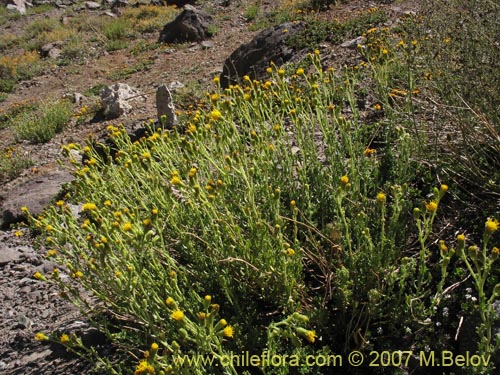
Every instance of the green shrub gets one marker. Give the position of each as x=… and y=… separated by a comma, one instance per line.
x=115, y=29
x=461, y=68
x=255, y=203
x=42, y=124
x=19, y=67
x=12, y=163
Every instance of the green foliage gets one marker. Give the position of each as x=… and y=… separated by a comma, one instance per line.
x=40, y=125
x=283, y=210
x=12, y=163
x=462, y=73
x=14, y=68
x=255, y=202
x=116, y=29
x=252, y=10
x=318, y=31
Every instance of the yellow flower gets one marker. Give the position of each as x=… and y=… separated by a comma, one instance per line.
x=215, y=115
x=299, y=71
x=177, y=315
x=223, y=322
x=290, y=252
x=201, y=315
x=310, y=336
x=144, y=368
x=154, y=211
x=491, y=226
x=89, y=207
x=49, y=228
x=431, y=206
x=175, y=181
x=146, y=155
x=228, y=331
x=461, y=237
x=154, y=346
x=443, y=188
x=377, y=107
x=442, y=246
x=60, y=203
x=344, y=179
x=38, y=275
x=41, y=337
x=192, y=172
x=169, y=301
x=269, y=70
x=18, y=233
x=216, y=80
x=381, y=198
x=127, y=226
x=281, y=72
x=208, y=298
x=64, y=338
x=369, y=151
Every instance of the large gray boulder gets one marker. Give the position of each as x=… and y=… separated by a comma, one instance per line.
x=254, y=58
x=35, y=194
x=191, y=25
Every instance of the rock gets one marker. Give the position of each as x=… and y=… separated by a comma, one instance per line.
x=51, y=50
x=119, y=4
x=191, y=25
x=77, y=98
x=111, y=14
x=180, y=3
x=175, y=85
x=35, y=194
x=165, y=106
x=207, y=44
x=92, y=5
x=17, y=5
x=353, y=43
x=8, y=255
x=254, y=58
x=115, y=99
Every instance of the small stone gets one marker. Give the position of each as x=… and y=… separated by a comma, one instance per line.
x=92, y=5
x=207, y=44
x=353, y=43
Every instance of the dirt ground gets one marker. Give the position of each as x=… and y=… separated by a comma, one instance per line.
x=28, y=305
